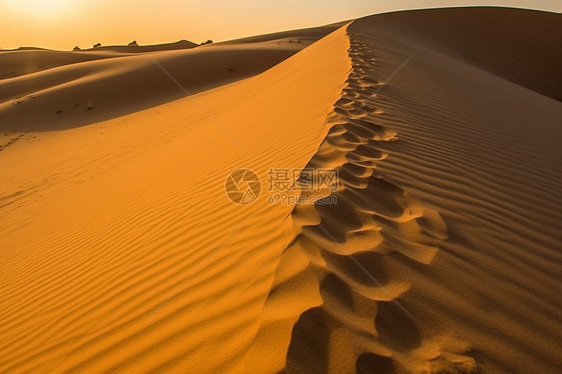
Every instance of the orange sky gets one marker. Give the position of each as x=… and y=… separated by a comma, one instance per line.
x=62, y=24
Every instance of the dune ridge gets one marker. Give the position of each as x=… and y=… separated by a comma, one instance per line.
x=379, y=277
x=352, y=319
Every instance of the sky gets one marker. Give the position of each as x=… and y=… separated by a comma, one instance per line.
x=62, y=24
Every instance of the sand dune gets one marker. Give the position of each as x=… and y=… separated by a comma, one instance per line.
x=181, y=44
x=436, y=200
x=31, y=60
x=122, y=253
x=515, y=44
x=174, y=219
x=72, y=94
x=306, y=36
x=16, y=63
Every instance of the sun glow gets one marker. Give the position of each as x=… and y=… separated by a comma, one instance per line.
x=42, y=8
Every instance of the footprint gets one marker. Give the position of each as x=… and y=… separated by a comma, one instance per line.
x=356, y=319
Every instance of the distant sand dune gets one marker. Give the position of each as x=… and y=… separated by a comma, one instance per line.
x=182, y=44
x=16, y=63
x=70, y=94
x=94, y=91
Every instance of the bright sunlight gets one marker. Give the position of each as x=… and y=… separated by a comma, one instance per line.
x=44, y=9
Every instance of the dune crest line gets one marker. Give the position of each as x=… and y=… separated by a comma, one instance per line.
x=352, y=319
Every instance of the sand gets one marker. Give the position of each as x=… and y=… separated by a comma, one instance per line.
x=121, y=251
x=74, y=89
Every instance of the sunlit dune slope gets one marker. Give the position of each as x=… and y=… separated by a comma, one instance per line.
x=439, y=251
x=118, y=245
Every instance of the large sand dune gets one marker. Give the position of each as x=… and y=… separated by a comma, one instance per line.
x=122, y=253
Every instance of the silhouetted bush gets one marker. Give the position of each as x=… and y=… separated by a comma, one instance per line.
x=76, y=48
x=134, y=42
x=207, y=42
x=97, y=45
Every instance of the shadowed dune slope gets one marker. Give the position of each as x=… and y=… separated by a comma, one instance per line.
x=523, y=46
x=14, y=63
x=21, y=62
